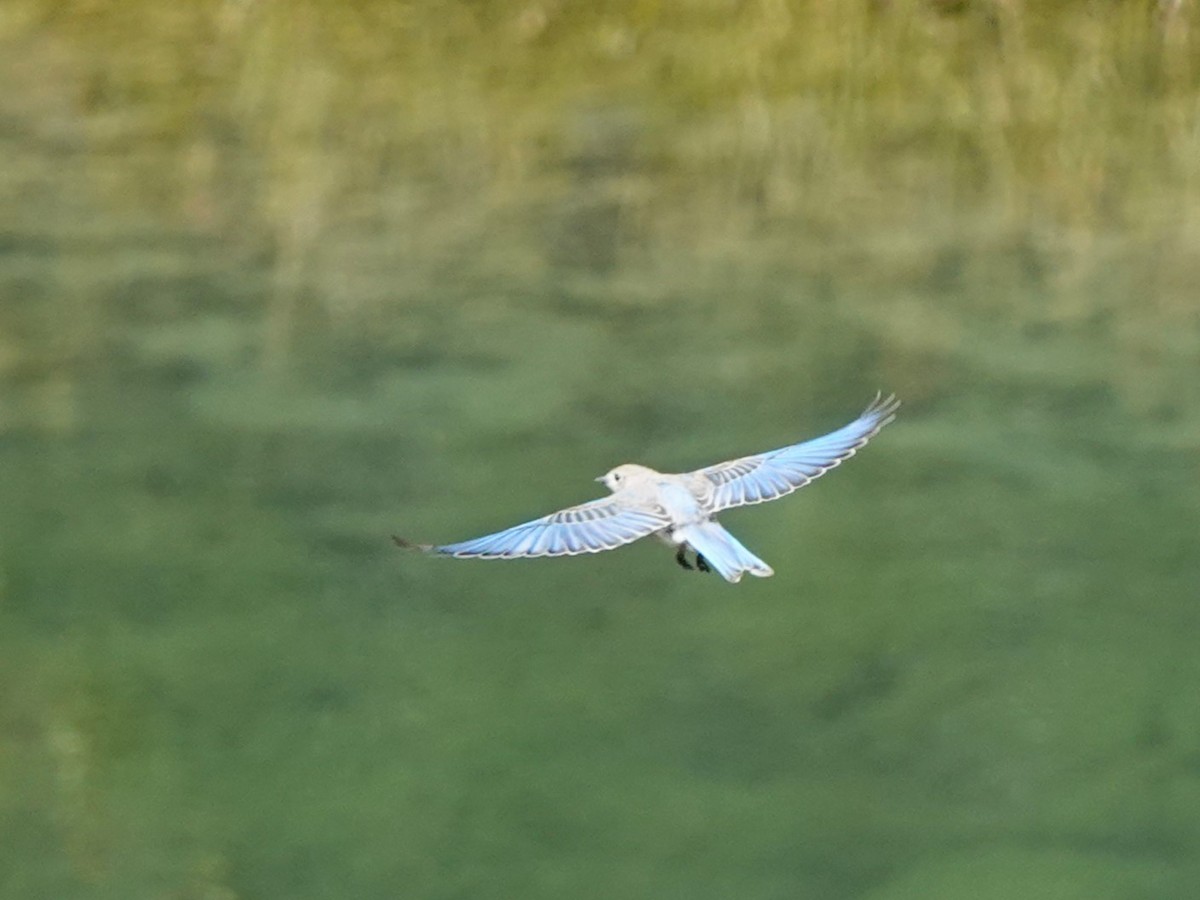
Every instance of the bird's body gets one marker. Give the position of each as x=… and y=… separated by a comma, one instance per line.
x=685, y=501
x=679, y=508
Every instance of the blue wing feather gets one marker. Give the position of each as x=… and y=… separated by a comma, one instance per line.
x=766, y=476
x=602, y=524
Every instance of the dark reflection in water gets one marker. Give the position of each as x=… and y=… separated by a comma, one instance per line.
x=275, y=284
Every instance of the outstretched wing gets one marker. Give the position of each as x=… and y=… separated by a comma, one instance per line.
x=602, y=524
x=766, y=476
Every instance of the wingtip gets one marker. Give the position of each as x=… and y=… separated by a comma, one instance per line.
x=884, y=407
x=404, y=544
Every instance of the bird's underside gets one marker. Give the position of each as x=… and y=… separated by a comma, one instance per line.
x=680, y=508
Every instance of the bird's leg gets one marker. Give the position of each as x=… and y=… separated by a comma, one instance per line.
x=702, y=564
x=681, y=557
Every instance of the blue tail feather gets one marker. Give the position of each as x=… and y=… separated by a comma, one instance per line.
x=723, y=551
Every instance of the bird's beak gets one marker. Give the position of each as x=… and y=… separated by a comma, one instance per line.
x=600, y=479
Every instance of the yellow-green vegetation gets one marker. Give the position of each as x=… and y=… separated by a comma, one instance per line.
x=280, y=279
x=1073, y=114
x=883, y=141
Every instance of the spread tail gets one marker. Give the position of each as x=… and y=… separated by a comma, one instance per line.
x=723, y=551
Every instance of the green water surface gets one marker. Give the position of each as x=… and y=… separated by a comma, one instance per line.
x=280, y=280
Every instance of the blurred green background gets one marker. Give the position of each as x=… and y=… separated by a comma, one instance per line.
x=280, y=279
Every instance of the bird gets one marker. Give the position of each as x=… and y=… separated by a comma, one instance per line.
x=679, y=508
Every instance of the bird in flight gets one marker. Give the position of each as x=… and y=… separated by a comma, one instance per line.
x=680, y=509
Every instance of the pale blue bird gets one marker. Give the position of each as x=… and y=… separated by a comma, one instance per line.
x=680, y=508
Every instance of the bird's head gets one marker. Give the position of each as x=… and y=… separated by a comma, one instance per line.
x=621, y=476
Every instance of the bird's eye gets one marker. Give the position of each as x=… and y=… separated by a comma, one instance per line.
x=616, y=476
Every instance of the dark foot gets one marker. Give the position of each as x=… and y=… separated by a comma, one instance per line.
x=681, y=558
x=702, y=564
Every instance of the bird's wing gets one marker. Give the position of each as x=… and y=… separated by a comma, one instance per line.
x=603, y=524
x=766, y=476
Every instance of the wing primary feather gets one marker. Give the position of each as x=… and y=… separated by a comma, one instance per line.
x=776, y=473
x=602, y=524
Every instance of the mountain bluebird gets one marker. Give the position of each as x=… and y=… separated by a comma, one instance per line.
x=681, y=508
